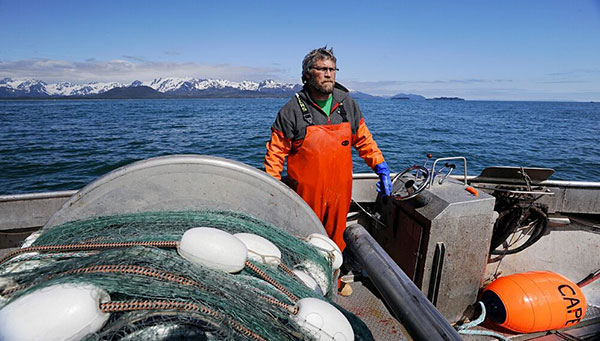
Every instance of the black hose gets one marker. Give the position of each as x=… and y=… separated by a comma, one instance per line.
x=510, y=220
x=420, y=318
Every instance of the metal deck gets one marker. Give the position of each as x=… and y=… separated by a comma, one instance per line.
x=371, y=309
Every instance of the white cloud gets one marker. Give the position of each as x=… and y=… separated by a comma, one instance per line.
x=128, y=70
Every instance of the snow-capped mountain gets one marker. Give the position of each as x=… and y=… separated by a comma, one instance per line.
x=22, y=88
x=71, y=89
x=10, y=87
x=172, y=85
x=188, y=87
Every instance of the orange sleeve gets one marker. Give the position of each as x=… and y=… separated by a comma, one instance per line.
x=278, y=148
x=366, y=146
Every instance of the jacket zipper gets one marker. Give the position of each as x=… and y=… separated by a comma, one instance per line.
x=331, y=112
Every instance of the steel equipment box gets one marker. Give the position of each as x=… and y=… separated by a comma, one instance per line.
x=441, y=240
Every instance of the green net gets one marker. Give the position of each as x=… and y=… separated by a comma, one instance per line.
x=225, y=306
x=170, y=226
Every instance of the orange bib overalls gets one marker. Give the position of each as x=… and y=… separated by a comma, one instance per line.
x=322, y=168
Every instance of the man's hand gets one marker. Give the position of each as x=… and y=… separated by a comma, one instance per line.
x=384, y=186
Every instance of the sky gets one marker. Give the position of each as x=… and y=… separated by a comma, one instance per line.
x=477, y=50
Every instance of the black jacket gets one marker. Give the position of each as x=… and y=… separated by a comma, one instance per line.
x=291, y=121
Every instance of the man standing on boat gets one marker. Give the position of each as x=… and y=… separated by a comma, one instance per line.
x=315, y=131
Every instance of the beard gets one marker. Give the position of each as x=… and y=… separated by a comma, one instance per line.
x=325, y=87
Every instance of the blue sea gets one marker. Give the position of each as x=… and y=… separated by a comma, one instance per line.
x=50, y=145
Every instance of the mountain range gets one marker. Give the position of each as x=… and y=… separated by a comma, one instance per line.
x=160, y=88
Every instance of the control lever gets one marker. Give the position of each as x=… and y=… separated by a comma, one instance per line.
x=450, y=167
x=429, y=156
x=418, y=172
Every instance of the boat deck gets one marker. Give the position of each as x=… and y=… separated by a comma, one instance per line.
x=574, y=260
x=369, y=307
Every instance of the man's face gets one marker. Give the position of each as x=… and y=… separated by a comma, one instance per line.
x=320, y=79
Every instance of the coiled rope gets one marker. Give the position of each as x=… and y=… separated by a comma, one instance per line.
x=465, y=329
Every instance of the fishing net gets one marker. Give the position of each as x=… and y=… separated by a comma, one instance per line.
x=156, y=294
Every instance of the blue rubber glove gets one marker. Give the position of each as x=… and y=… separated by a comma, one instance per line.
x=384, y=186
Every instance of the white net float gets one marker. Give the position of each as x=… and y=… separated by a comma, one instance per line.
x=322, y=320
x=308, y=281
x=317, y=273
x=327, y=246
x=213, y=248
x=260, y=249
x=57, y=312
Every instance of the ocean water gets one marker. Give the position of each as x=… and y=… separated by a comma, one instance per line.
x=53, y=145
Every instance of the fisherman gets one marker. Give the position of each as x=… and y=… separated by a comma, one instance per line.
x=314, y=131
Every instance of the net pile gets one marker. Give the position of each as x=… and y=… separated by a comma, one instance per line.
x=156, y=294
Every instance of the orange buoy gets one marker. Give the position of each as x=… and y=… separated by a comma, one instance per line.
x=534, y=301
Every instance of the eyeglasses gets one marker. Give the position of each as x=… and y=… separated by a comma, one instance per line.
x=325, y=69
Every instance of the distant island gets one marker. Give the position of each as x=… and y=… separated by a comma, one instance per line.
x=446, y=99
x=411, y=97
